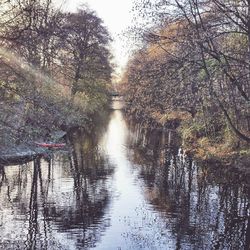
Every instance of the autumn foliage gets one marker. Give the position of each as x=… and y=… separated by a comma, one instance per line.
x=54, y=69
x=193, y=69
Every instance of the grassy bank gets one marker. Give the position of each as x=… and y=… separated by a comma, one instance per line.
x=223, y=146
x=211, y=142
x=52, y=75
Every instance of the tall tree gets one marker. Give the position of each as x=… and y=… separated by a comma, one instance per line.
x=86, y=56
x=213, y=44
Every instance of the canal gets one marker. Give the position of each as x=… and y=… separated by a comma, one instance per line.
x=122, y=187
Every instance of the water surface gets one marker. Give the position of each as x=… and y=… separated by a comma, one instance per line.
x=126, y=187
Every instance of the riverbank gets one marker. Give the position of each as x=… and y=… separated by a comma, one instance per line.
x=18, y=139
x=221, y=148
x=203, y=149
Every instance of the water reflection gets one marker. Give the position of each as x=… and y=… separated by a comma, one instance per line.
x=126, y=187
x=204, y=207
x=58, y=202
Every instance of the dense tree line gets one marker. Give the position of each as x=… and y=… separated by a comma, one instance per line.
x=54, y=67
x=194, y=62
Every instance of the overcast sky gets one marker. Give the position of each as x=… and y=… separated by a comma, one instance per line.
x=116, y=15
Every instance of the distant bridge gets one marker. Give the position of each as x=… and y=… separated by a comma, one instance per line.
x=115, y=94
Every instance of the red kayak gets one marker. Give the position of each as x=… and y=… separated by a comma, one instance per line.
x=50, y=145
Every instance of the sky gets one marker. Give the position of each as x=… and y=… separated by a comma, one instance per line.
x=117, y=16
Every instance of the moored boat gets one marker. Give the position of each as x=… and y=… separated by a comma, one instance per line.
x=50, y=144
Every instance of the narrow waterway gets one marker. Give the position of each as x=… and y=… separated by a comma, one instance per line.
x=122, y=187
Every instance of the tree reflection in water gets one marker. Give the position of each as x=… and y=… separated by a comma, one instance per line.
x=64, y=201
x=204, y=207
x=57, y=203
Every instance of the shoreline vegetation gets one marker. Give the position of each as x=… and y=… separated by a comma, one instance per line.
x=55, y=71
x=224, y=149
x=191, y=73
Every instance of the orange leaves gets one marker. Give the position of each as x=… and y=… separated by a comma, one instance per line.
x=166, y=40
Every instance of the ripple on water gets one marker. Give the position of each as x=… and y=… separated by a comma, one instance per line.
x=129, y=192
